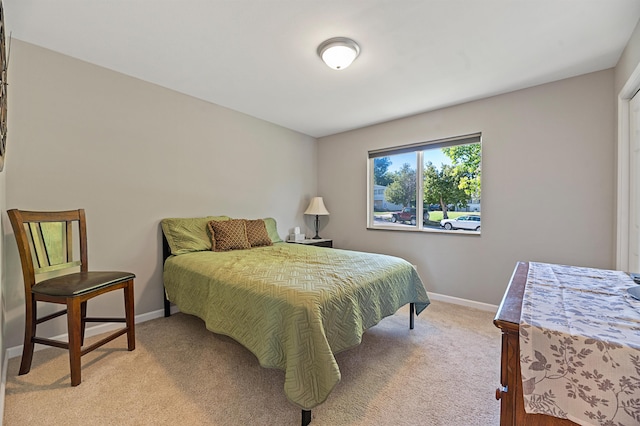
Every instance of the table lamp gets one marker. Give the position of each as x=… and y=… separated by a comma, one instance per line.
x=317, y=208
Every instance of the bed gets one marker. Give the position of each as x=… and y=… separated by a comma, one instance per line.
x=293, y=306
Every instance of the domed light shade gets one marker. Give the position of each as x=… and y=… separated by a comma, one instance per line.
x=339, y=52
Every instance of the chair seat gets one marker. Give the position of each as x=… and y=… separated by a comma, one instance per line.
x=80, y=282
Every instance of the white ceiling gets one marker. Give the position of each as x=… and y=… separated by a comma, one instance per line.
x=259, y=56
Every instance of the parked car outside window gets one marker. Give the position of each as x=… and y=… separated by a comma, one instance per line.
x=408, y=215
x=470, y=222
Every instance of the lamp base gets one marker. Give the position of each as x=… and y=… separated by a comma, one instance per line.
x=317, y=237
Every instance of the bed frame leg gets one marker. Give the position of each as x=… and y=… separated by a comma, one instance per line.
x=167, y=306
x=306, y=417
x=412, y=312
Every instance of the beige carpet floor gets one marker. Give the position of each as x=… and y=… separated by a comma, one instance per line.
x=444, y=372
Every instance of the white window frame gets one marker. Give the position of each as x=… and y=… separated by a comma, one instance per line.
x=418, y=148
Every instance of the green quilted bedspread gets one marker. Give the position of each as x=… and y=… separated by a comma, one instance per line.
x=293, y=306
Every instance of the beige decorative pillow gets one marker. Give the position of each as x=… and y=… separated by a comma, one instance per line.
x=229, y=235
x=257, y=233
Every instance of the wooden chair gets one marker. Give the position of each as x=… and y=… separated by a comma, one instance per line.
x=46, y=243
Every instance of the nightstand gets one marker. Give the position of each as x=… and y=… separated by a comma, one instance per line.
x=322, y=242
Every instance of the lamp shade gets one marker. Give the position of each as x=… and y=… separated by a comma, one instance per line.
x=316, y=207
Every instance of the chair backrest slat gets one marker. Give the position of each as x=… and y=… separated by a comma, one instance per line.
x=69, y=229
x=39, y=252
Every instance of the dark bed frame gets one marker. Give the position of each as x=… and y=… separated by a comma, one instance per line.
x=166, y=252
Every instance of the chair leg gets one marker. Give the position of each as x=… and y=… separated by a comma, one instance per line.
x=83, y=315
x=29, y=333
x=130, y=315
x=74, y=326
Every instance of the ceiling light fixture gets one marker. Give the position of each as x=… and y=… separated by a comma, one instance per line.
x=338, y=52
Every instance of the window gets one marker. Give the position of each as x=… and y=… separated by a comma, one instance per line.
x=443, y=176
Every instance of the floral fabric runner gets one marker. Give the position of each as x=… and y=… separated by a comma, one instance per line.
x=580, y=345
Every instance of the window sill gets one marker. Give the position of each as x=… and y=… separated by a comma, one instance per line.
x=425, y=230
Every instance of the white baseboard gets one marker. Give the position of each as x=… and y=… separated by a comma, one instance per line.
x=103, y=328
x=90, y=331
x=463, y=302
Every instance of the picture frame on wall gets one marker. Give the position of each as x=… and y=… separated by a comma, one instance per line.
x=3, y=90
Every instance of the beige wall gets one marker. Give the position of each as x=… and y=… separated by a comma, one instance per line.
x=547, y=189
x=131, y=153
